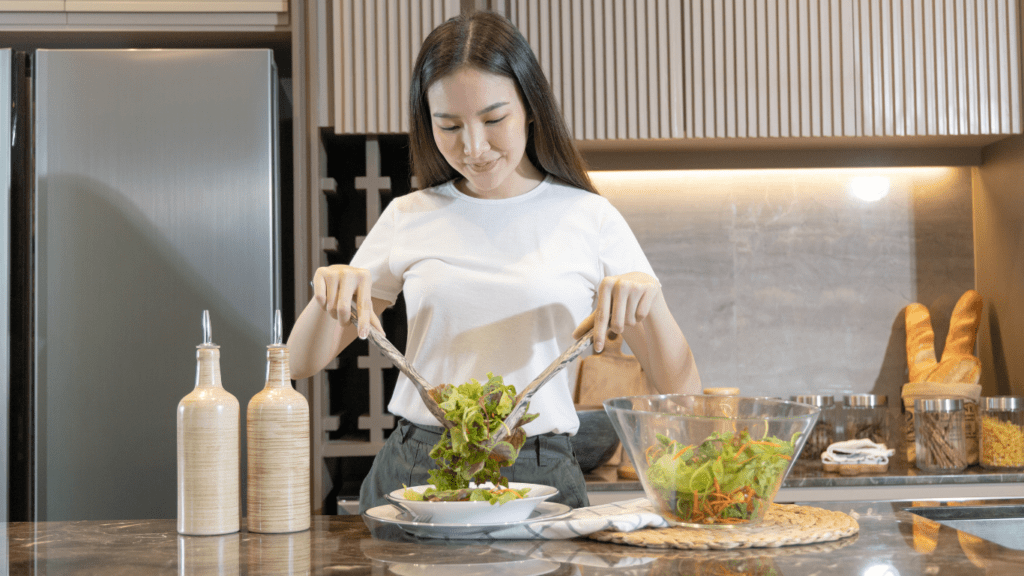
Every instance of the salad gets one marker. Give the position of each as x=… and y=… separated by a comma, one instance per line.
x=730, y=478
x=495, y=495
x=466, y=453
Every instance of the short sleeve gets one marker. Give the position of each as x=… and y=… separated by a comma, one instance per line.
x=620, y=250
x=374, y=254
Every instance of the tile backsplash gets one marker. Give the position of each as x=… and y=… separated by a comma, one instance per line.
x=785, y=282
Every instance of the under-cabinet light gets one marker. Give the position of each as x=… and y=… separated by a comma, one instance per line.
x=869, y=188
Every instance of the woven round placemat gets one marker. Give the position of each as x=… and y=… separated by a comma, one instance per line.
x=783, y=525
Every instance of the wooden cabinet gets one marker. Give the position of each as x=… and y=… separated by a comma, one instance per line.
x=809, y=68
x=779, y=68
x=176, y=6
x=372, y=48
x=123, y=15
x=719, y=69
x=18, y=14
x=31, y=5
x=143, y=6
x=617, y=67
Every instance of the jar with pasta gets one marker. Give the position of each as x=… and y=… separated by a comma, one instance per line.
x=824, y=432
x=1001, y=441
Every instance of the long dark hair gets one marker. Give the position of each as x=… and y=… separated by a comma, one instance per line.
x=489, y=42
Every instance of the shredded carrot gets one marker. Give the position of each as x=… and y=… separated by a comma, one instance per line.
x=647, y=453
x=506, y=490
x=709, y=508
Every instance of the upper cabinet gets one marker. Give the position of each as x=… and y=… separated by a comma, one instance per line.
x=714, y=69
x=808, y=68
x=143, y=6
x=177, y=5
x=617, y=67
x=369, y=58
x=32, y=5
x=48, y=15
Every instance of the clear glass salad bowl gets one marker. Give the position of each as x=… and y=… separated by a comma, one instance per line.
x=711, y=460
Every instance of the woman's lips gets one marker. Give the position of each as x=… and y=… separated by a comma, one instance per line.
x=481, y=166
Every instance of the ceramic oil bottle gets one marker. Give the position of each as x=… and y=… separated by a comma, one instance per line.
x=208, y=449
x=278, y=449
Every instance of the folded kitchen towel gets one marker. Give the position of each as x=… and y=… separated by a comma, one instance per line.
x=857, y=451
x=623, y=516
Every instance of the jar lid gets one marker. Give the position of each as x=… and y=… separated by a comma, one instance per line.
x=818, y=400
x=1004, y=403
x=939, y=404
x=865, y=400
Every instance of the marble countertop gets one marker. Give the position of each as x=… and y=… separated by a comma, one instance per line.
x=890, y=542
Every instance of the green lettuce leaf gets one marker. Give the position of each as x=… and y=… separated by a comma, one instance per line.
x=466, y=452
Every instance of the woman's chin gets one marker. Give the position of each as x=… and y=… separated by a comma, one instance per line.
x=485, y=185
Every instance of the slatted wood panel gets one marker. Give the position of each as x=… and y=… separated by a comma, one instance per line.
x=649, y=69
x=31, y=5
x=805, y=68
x=375, y=43
x=175, y=5
x=616, y=66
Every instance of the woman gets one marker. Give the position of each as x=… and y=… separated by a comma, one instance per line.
x=505, y=257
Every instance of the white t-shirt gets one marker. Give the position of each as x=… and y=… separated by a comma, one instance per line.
x=496, y=286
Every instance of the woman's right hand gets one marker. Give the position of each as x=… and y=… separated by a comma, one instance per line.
x=336, y=287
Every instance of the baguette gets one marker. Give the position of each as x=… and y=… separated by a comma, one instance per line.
x=958, y=364
x=920, y=342
x=963, y=325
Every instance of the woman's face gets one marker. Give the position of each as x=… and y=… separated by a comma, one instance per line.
x=480, y=126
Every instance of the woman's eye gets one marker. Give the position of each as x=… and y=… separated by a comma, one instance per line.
x=496, y=120
x=449, y=128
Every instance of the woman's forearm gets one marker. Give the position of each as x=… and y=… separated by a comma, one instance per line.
x=315, y=340
x=663, y=352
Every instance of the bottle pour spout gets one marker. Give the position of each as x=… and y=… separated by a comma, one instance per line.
x=207, y=332
x=277, y=328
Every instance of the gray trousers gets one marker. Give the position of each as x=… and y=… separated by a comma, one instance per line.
x=405, y=459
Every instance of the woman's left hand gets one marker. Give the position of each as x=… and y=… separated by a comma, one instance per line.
x=622, y=301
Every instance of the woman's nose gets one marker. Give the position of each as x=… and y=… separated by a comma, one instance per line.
x=474, y=143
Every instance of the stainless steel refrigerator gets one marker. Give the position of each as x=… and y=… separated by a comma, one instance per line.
x=152, y=195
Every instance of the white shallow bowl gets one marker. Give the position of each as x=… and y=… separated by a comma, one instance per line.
x=472, y=512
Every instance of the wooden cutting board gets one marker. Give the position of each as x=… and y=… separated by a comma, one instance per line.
x=610, y=374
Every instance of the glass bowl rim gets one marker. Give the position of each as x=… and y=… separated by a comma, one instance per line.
x=812, y=410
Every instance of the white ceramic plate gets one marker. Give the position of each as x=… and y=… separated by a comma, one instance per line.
x=472, y=512
x=388, y=514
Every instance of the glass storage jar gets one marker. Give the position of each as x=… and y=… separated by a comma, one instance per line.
x=1001, y=441
x=866, y=416
x=939, y=435
x=824, y=432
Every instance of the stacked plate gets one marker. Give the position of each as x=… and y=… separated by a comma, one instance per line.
x=466, y=519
